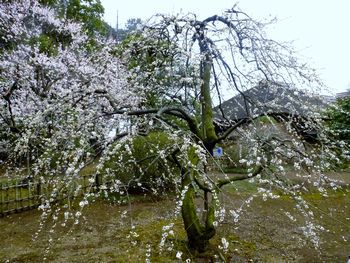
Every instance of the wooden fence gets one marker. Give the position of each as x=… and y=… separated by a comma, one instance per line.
x=21, y=194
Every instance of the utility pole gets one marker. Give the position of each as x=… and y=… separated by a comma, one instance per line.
x=117, y=26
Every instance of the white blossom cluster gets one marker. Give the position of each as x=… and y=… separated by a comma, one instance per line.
x=48, y=97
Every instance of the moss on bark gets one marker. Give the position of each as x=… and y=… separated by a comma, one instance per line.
x=209, y=134
x=198, y=234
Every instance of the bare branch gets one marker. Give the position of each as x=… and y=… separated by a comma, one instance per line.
x=231, y=129
x=191, y=122
x=257, y=171
x=201, y=185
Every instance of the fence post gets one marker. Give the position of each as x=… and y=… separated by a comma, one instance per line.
x=7, y=197
x=85, y=186
x=29, y=196
x=2, y=199
x=16, y=196
x=38, y=189
x=98, y=181
x=21, y=203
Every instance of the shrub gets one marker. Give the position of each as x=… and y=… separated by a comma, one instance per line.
x=137, y=163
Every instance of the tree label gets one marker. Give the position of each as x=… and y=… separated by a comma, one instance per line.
x=218, y=152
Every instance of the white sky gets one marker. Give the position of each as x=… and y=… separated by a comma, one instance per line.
x=319, y=28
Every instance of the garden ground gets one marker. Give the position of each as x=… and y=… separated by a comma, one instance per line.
x=263, y=232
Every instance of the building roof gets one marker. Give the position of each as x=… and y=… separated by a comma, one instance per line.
x=343, y=94
x=265, y=99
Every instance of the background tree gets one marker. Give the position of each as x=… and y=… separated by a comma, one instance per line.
x=89, y=13
x=338, y=123
x=130, y=27
x=340, y=118
x=42, y=91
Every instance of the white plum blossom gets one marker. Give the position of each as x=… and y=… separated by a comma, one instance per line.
x=179, y=255
x=224, y=245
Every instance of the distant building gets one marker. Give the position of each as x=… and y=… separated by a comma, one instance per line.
x=273, y=100
x=266, y=99
x=343, y=94
x=329, y=99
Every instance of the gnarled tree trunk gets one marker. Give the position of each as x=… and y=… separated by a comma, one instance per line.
x=198, y=233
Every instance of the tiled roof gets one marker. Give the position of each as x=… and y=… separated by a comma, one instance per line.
x=267, y=99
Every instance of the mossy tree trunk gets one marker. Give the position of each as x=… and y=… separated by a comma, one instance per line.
x=198, y=233
x=209, y=136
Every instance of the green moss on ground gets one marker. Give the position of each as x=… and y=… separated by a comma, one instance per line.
x=263, y=233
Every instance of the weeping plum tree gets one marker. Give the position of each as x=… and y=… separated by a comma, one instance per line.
x=229, y=54
x=53, y=104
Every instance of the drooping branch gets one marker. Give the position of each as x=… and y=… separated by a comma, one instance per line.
x=131, y=112
x=6, y=95
x=201, y=185
x=174, y=158
x=105, y=94
x=178, y=112
x=223, y=182
x=172, y=111
x=231, y=129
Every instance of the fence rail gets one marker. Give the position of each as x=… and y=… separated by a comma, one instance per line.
x=20, y=194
